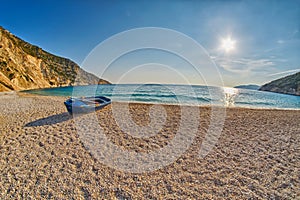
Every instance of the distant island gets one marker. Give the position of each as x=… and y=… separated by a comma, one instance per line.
x=286, y=85
x=25, y=66
x=249, y=87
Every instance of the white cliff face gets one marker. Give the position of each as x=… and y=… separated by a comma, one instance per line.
x=22, y=70
x=24, y=66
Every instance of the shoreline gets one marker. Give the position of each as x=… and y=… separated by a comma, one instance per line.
x=20, y=93
x=44, y=155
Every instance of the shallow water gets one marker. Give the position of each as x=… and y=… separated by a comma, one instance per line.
x=180, y=94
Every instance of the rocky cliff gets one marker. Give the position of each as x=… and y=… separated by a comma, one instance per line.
x=25, y=66
x=286, y=85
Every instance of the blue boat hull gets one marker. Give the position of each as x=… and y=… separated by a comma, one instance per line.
x=86, y=104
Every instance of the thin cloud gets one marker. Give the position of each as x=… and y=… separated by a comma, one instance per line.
x=243, y=65
x=285, y=72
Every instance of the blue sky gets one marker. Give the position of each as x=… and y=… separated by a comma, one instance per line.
x=266, y=33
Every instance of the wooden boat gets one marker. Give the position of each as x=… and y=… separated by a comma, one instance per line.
x=86, y=104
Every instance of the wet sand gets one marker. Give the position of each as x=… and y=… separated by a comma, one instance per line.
x=43, y=156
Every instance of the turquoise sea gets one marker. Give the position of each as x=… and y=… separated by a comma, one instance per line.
x=179, y=94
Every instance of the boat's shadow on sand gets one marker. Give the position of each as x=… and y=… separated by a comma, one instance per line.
x=53, y=119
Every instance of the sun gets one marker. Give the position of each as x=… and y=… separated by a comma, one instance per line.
x=228, y=44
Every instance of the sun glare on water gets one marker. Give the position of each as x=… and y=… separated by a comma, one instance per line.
x=228, y=44
x=230, y=95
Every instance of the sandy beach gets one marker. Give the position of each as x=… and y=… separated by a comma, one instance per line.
x=43, y=157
